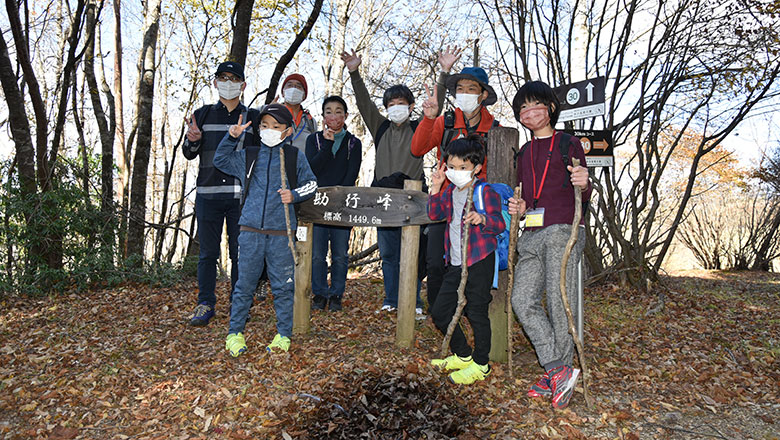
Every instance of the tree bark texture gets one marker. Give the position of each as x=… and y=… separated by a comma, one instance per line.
x=145, y=100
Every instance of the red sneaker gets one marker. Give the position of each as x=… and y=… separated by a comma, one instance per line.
x=541, y=388
x=562, y=382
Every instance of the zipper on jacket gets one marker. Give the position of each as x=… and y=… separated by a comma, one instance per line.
x=267, y=181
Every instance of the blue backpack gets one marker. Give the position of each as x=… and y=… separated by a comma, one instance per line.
x=502, y=248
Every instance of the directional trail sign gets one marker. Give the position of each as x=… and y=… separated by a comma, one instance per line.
x=580, y=100
x=361, y=206
x=598, y=146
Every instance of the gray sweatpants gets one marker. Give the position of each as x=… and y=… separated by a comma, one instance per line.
x=537, y=272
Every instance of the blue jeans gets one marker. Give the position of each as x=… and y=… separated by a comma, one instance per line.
x=389, y=240
x=255, y=250
x=338, y=237
x=210, y=214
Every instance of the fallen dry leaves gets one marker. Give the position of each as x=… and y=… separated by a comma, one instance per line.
x=123, y=363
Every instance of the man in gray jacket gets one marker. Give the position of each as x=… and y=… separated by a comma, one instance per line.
x=393, y=140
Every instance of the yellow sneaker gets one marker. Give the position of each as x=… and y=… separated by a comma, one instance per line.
x=280, y=343
x=450, y=363
x=470, y=374
x=235, y=344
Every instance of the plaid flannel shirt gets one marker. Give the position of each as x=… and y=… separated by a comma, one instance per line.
x=482, y=237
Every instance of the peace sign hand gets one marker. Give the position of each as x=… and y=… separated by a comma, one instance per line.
x=449, y=56
x=437, y=177
x=236, y=130
x=193, y=132
x=352, y=61
x=431, y=105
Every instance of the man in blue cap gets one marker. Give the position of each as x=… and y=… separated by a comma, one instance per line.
x=218, y=195
x=472, y=96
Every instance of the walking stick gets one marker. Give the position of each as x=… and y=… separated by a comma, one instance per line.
x=283, y=173
x=564, y=261
x=514, y=225
x=464, y=274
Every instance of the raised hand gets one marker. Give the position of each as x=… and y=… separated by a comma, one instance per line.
x=437, y=177
x=193, y=132
x=352, y=61
x=431, y=105
x=327, y=132
x=448, y=57
x=236, y=130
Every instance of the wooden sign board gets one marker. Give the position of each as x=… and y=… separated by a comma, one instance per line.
x=598, y=146
x=361, y=206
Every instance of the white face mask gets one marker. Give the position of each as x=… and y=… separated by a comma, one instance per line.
x=459, y=178
x=467, y=102
x=293, y=96
x=229, y=89
x=398, y=113
x=271, y=137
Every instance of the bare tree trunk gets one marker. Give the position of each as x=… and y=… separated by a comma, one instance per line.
x=33, y=89
x=122, y=152
x=20, y=126
x=105, y=124
x=242, y=15
x=288, y=56
x=145, y=102
x=177, y=225
x=77, y=119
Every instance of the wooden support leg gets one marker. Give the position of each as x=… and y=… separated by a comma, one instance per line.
x=302, y=305
x=407, y=283
x=498, y=317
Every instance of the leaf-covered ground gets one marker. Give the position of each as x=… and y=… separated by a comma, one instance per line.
x=122, y=363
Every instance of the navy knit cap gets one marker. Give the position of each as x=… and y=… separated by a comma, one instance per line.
x=231, y=67
x=475, y=74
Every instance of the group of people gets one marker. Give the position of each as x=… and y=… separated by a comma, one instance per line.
x=256, y=164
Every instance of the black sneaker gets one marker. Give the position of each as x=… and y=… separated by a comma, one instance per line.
x=319, y=302
x=334, y=304
x=260, y=292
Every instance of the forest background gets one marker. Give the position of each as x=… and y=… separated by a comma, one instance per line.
x=94, y=190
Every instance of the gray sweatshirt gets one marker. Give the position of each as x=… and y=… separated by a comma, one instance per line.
x=394, y=152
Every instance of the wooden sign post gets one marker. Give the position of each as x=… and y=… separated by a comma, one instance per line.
x=302, y=301
x=407, y=279
x=359, y=206
x=500, y=169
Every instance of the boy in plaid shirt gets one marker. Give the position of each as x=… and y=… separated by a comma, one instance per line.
x=463, y=158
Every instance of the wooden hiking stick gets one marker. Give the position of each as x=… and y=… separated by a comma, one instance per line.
x=514, y=226
x=575, y=225
x=464, y=274
x=290, y=240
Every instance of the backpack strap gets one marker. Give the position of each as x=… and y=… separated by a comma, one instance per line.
x=563, y=146
x=351, y=144
x=251, y=158
x=479, y=198
x=381, y=131
x=291, y=165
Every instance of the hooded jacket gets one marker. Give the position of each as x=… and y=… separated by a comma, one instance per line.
x=263, y=208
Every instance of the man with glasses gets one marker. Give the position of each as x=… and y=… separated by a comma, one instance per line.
x=218, y=196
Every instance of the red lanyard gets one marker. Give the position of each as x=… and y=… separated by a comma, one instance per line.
x=534, y=192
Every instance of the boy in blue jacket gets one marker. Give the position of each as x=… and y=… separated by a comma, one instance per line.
x=263, y=230
x=461, y=163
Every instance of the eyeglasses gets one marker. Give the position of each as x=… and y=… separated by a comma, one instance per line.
x=231, y=78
